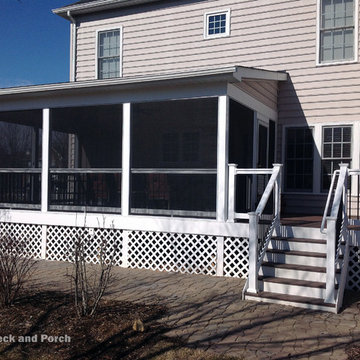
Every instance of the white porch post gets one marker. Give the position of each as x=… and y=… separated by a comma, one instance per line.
x=330, y=260
x=222, y=158
x=125, y=179
x=125, y=182
x=45, y=160
x=232, y=192
x=253, y=252
x=45, y=175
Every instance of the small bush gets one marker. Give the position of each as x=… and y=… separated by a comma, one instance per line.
x=15, y=268
x=90, y=281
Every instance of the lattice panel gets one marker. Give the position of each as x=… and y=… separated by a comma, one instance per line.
x=353, y=280
x=236, y=257
x=60, y=243
x=29, y=235
x=195, y=254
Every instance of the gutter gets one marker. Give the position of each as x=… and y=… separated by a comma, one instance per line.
x=73, y=36
x=99, y=5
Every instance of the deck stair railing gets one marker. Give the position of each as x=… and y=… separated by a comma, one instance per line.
x=258, y=240
x=337, y=235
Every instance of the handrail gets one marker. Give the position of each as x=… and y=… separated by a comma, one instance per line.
x=328, y=200
x=256, y=255
x=269, y=188
x=334, y=239
x=20, y=170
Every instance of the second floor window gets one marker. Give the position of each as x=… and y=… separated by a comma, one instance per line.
x=217, y=24
x=109, y=54
x=336, y=30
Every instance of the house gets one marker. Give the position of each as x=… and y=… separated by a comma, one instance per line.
x=164, y=140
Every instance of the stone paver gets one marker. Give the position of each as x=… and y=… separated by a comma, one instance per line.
x=208, y=313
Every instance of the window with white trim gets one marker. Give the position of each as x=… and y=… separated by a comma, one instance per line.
x=337, y=31
x=109, y=46
x=217, y=24
x=336, y=149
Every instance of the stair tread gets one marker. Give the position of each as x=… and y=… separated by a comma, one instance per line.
x=287, y=281
x=304, y=240
x=297, y=252
x=296, y=266
x=291, y=298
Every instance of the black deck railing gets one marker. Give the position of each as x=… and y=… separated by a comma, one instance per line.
x=85, y=188
x=20, y=186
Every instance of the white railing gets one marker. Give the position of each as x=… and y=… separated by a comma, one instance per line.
x=257, y=248
x=337, y=253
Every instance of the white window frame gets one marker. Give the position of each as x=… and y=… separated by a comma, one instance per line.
x=206, y=24
x=356, y=37
x=98, y=31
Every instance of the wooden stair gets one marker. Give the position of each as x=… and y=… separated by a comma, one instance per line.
x=294, y=273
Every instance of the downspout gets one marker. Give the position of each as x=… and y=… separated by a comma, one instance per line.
x=72, y=47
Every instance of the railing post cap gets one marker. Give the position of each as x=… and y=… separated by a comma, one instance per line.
x=233, y=164
x=343, y=165
x=277, y=165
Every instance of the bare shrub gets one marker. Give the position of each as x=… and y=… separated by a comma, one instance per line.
x=15, y=268
x=90, y=281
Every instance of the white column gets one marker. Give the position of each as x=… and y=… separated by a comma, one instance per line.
x=253, y=253
x=125, y=249
x=232, y=192
x=330, y=260
x=45, y=160
x=220, y=256
x=43, y=241
x=222, y=158
x=125, y=182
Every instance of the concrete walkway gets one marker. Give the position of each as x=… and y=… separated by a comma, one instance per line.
x=208, y=312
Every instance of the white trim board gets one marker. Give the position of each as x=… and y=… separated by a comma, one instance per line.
x=131, y=222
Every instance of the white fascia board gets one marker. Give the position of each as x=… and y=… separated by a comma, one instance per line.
x=260, y=74
x=225, y=74
x=99, y=5
x=230, y=74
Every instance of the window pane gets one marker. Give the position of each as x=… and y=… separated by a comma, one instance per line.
x=299, y=161
x=109, y=51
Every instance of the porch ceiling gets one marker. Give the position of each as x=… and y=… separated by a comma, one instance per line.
x=203, y=78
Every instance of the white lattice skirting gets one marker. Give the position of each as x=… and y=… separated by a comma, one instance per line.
x=186, y=253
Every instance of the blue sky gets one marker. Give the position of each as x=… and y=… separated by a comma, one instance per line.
x=34, y=43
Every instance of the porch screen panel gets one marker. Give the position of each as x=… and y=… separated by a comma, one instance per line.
x=85, y=158
x=20, y=158
x=174, y=146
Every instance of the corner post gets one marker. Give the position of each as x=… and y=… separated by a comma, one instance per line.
x=330, y=260
x=222, y=158
x=253, y=253
x=232, y=192
x=277, y=204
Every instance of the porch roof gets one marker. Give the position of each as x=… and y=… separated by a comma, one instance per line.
x=232, y=74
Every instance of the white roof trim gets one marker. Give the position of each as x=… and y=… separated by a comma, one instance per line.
x=83, y=8
x=230, y=74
